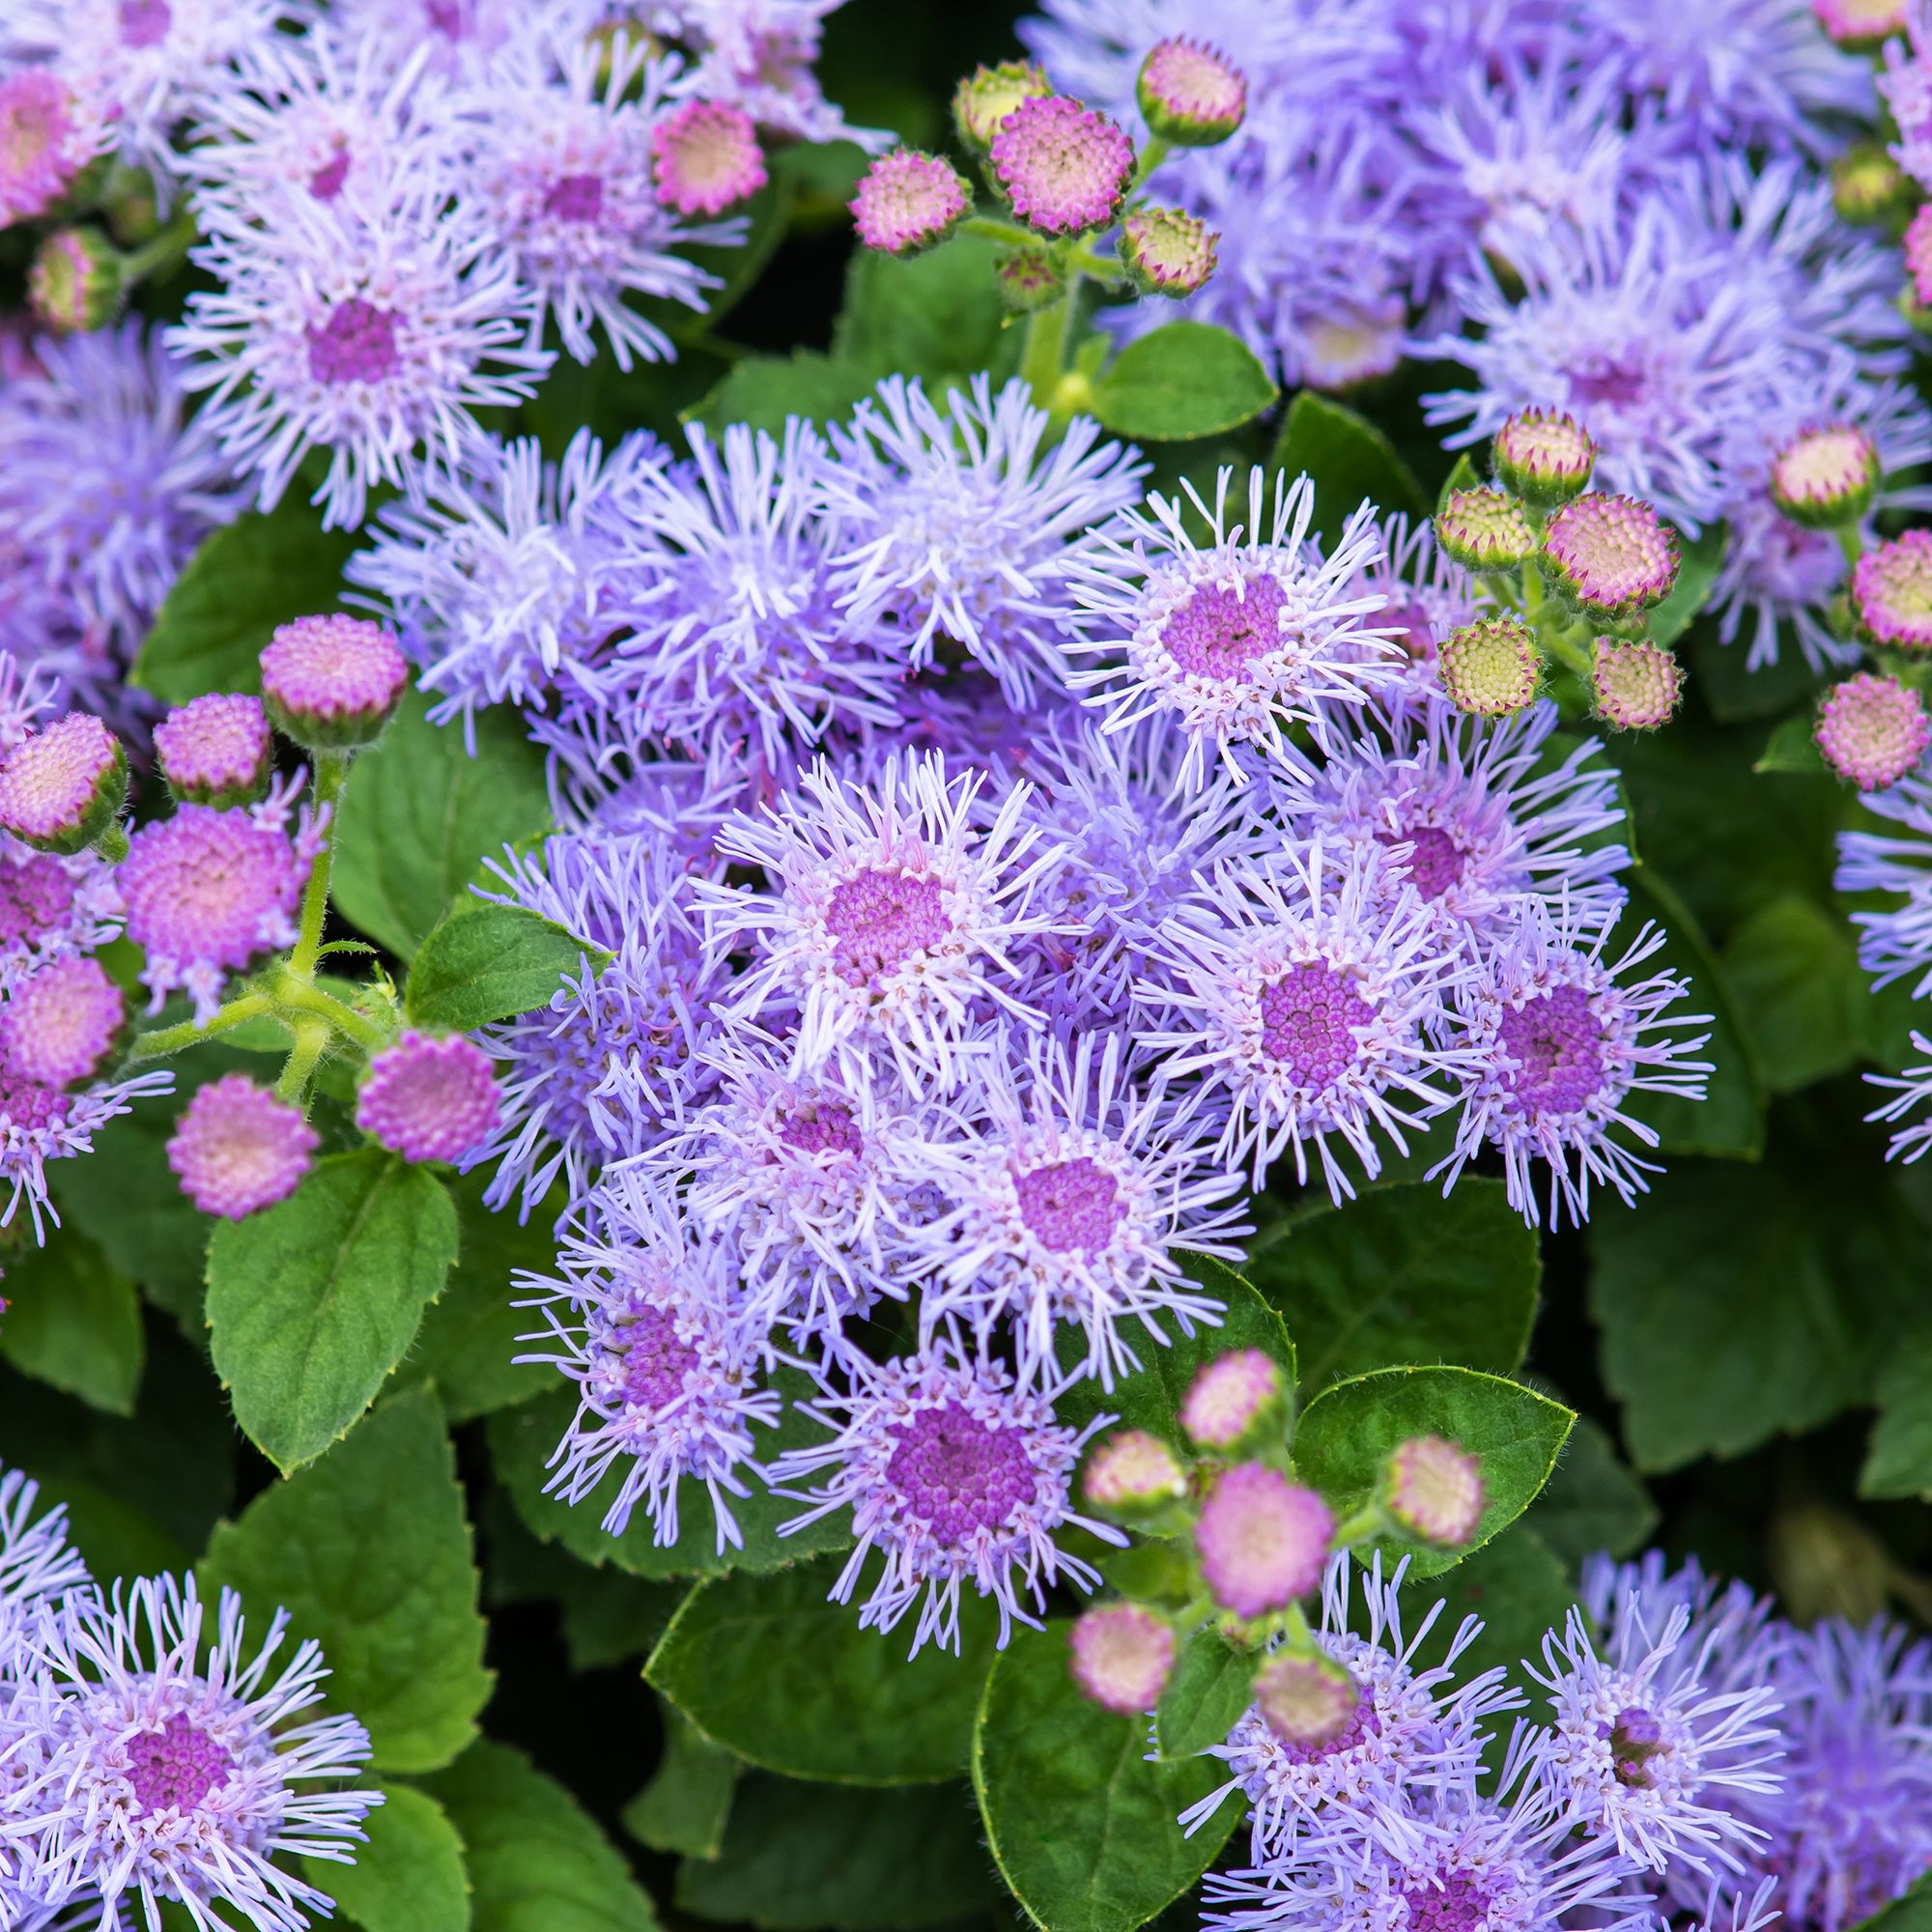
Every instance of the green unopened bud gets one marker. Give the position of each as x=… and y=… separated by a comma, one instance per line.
x=1433, y=1490
x=76, y=283
x=1636, y=683
x=1132, y=1473
x=1236, y=1402
x=1545, y=456
x=1869, y=187
x=1168, y=252
x=1190, y=94
x=1825, y=477
x=1485, y=529
x=1027, y=279
x=1489, y=668
x=988, y=95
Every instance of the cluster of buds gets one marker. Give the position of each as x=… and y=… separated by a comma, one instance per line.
x=1573, y=573
x=1249, y=1543
x=1064, y=173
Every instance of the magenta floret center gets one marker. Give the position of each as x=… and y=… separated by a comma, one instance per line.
x=880, y=919
x=356, y=344
x=1459, y=1903
x=326, y=184
x=1606, y=380
x=656, y=1359
x=959, y=1474
x=1308, y=1021
x=1219, y=632
x=1436, y=863
x=36, y=894
x=824, y=1128
x=26, y=1105
x=176, y=1767
x=575, y=198
x=1070, y=1205
x=144, y=23
x=1557, y=1045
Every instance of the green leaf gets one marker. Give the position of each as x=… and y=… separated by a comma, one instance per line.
x=933, y=316
x=246, y=578
x=1737, y=693
x=1404, y=1275
x=1150, y=1399
x=471, y=1335
x=1699, y=559
x=523, y=1438
x=491, y=963
x=684, y=1805
x=1212, y=1685
x=1182, y=380
x=1793, y=747
x=1348, y=1432
x=420, y=814
x=763, y=390
x=773, y=1669
x=1349, y=459
x=815, y=1858
x=1910, y=1912
x=536, y=1862
x=369, y=1552
x=74, y=1323
x=409, y=1876
x=1465, y=476
x=1899, y=1462
x=1741, y=1301
x=1794, y=969
x=1083, y=1825
x=1593, y=1502
x=313, y=1302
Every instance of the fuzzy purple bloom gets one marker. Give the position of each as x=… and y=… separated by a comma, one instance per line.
x=428, y=1098
x=59, y=1025
x=235, y=1149
x=216, y=750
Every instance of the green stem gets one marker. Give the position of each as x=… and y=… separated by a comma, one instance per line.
x=1363, y=1523
x=312, y=1037
x=1852, y=541
x=164, y=251
x=995, y=230
x=112, y=843
x=331, y=771
x=164, y=1040
x=304, y=997
x=1045, y=353
x=1151, y=156
x=1569, y=652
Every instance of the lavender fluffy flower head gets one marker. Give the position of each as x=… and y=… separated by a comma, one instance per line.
x=235, y=1149
x=37, y=1565
x=428, y=1098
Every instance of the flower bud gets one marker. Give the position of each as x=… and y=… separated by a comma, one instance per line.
x=1872, y=730
x=236, y=1148
x=75, y=282
x=1235, y=1401
x=1308, y=1702
x=1123, y=1656
x=1861, y=26
x=1064, y=168
x=46, y=140
x=429, y=1097
x=1869, y=187
x=1027, y=279
x=1891, y=592
x=1433, y=1490
x=1610, y=556
x=217, y=749
x=1489, y=668
x=61, y=788
x=332, y=682
x=1545, y=456
x=986, y=97
x=1191, y=94
x=62, y=1023
x=1168, y=252
x=908, y=201
x=1263, y=1541
x=1825, y=478
x=1132, y=1473
x=1485, y=529
x=1636, y=684
x=705, y=158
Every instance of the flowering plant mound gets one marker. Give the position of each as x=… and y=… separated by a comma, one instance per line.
x=1082, y=1084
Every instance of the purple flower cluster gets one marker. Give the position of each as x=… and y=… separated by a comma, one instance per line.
x=151, y=1751
x=1695, y=1760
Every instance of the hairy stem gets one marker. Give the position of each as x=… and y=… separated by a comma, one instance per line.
x=164, y=1040
x=331, y=771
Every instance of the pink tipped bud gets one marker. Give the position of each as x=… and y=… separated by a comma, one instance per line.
x=1872, y=730
x=1190, y=94
x=1232, y=1401
x=63, y=1023
x=1544, y=455
x=1861, y=26
x=1132, y=1472
x=75, y=282
x=1310, y=1703
x=988, y=95
x=1064, y=169
x=1868, y=186
x=1485, y=529
x=908, y=201
x=429, y=1100
x=1433, y=1490
x=43, y=143
x=61, y=788
x=1891, y=592
x=1610, y=556
x=216, y=750
x=1262, y=1540
x=1027, y=279
x=1826, y=478
x=705, y=157
x=1489, y=668
x=331, y=683
x=237, y=1150
x=1123, y=1656
x=1636, y=685
x=1167, y=252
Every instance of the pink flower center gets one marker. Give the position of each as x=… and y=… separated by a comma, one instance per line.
x=1218, y=632
x=1606, y=380
x=1634, y=1739
x=144, y=23
x=356, y=344
x=575, y=198
x=959, y=1474
x=824, y=1127
x=35, y=895
x=28, y=1106
x=1458, y=1904
x=656, y=1359
x=879, y=919
x=1557, y=1045
x=446, y=17
x=326, y=184
x=1072, y=1204
x=176, y=1768
x=1415, y=633
x=1436, y=863
x=1308, y=1021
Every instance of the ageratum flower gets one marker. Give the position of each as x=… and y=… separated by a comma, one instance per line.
x=1909, y=1089
x=1425, y=595
x=35, y=1564
x=953, y=1476
x=1893, y=941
